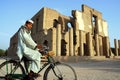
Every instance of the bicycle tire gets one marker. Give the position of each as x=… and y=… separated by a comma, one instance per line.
x=64, y=71
x=6, y=68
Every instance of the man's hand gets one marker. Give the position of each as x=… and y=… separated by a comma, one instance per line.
x=39, y=46
x=41, y=51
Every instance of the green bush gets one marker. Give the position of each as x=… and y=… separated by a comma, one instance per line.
x=3, y=52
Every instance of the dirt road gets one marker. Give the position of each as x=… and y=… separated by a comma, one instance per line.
x=95, y=69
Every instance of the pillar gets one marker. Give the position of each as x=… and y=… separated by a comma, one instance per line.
x=106, y=46
x=81, y=44
x=71, y=53
x=54, y=40
x=116, y=47
x=119, y=47
x=100, y=46
x=89, y=44
x=58, y=40
x=97, y=45
x=118, y=43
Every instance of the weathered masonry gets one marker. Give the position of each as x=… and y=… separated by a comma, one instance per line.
x=84, y=33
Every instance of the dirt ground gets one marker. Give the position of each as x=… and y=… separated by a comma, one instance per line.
x=94, y=69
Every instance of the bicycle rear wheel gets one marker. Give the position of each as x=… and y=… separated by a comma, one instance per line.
x=60, y=71
x=8, y=68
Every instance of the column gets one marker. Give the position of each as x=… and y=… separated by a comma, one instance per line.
x=119, y=47
x=58, y=40
x=107, y=45
x=54, y=40
x=116, y=47
x=100, y=46
x=97, y=45
x=89, y=44
x=81, y=44
x=71, y=53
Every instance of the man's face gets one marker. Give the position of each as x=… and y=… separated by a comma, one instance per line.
x=29, y=25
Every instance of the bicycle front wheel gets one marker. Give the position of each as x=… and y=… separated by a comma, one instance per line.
x=60, y=71
x=8, y=68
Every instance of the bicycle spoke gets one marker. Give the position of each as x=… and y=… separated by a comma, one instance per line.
x=8, y=68
x=2, y=72
x=60, y=72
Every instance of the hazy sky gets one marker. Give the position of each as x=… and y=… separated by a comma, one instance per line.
x=13, y=14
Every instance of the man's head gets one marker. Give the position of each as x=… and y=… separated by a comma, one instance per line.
x=29, y=24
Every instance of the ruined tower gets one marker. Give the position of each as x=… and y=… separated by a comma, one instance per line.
x=85, y=33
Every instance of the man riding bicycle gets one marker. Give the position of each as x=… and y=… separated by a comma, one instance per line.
x=29, y=49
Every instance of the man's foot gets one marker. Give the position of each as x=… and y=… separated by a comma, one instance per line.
x=32, y=74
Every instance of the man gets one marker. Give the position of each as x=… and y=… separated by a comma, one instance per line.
x=28, y=48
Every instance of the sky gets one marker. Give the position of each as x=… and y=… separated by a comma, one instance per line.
x=14, y=13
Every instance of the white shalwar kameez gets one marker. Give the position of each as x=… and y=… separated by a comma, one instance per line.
x=26, y=47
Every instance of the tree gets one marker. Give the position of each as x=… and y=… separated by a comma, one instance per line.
x=2, y=52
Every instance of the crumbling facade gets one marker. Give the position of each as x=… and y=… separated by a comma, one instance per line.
x=84, y=33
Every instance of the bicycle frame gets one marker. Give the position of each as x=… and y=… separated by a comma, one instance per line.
x=12, y=66
x=50, y=63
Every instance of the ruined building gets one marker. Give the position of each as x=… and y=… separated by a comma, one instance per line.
x=84, y=33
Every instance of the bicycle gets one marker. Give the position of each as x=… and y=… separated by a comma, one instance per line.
x=55, y=70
